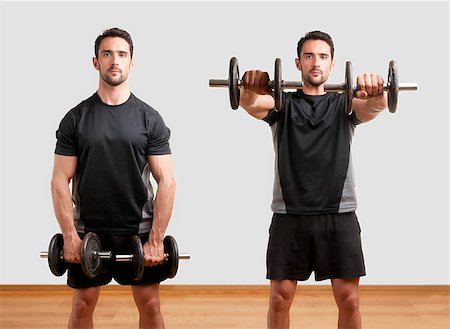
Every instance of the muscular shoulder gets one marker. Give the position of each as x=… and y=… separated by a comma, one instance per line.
x=77, y=111
x=141, y=105
x=149, y=112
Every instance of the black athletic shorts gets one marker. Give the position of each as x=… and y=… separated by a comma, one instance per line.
x=329, y=245
x=121, y=272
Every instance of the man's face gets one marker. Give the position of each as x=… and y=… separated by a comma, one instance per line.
x=315, y=62
x=114, y=60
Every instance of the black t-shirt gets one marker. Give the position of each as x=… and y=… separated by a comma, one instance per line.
x=111, y=188
x=313, y=169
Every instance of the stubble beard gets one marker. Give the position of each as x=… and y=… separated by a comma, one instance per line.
x=315, y=82
x=113, y=81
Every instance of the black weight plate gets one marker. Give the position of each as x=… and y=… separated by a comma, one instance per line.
x=393, y=86
x=277, y=85
x=171, y=264
x=90, y=260
x=55, y=261
x=137, y=251
x=348, y=87
x=233, y=80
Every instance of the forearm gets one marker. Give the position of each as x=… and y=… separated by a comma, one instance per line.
x=256, y=105
x=377, y=104
x=63, y=206
x=162, y=209
x=369, y=109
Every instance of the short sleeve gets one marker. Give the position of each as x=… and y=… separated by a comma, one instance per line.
x=274, y=115
x=353, y=119
x=66, y=143
x=159, y=135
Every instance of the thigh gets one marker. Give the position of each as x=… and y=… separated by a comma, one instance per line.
x=144, y=294
x=86, y=296
x=345, y=290
x=284, y=289
x=338, y=247
x=77, y=279
x=288, y=250
x=124, y=272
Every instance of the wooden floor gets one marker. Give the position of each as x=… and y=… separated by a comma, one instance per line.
x=228, y=307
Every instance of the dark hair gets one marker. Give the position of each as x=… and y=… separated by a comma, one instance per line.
x=315, y=35
x=113, y=32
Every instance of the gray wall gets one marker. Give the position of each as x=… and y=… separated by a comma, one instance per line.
x=224, y=159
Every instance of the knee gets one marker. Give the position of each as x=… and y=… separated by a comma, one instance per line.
x=280, y=302
x=349, y=303
x=83, y=307
x=149, y=305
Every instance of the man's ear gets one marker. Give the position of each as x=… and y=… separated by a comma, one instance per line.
x=95, y=63
x=298, y=64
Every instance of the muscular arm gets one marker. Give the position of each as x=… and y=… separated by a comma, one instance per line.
x=161, y=168
x=370, y=100
x=366, y=110
x=255, y=97
x=63, y=171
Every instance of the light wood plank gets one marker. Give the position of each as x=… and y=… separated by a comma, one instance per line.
x=228, y=307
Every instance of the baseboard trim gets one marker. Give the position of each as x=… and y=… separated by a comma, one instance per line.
x=226, y=288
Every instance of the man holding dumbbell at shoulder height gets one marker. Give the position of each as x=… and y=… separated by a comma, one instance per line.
x=108, y=145
x=314, y=226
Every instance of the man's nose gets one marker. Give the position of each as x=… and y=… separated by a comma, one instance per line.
x=114, y=60
x=315, y=61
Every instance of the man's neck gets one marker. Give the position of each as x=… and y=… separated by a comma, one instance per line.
x=309, y=89
x=113, y=95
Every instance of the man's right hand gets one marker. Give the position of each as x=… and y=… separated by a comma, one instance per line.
x=72, y=248
x=257, y=81
x=256, y=96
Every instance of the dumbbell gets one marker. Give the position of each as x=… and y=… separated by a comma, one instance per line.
x=234, y=83
x=92, y=256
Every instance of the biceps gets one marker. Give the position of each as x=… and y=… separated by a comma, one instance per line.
x=161, y=166
x=64, y=167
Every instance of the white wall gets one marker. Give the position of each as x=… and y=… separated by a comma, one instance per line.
x=224, y=159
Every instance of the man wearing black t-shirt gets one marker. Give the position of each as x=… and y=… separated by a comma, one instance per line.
x=108, y=146
x=314, y=225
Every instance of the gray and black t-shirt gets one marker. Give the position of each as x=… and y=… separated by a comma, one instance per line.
x=111, y=188
x=313, y=168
